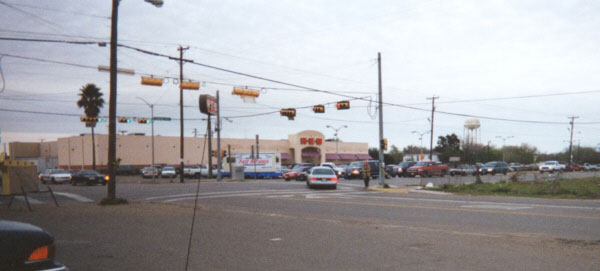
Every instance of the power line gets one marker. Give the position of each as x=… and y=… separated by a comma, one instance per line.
x=58, y=10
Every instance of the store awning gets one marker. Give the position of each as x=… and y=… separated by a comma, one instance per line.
x=347, y=156
x=285, y=156
x=332, y=156
x=311, y=154
x=362, y=156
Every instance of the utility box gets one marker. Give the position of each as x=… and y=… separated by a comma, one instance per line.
x=238, y=173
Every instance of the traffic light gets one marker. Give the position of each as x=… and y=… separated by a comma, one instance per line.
x=290, y=113
x=223, y=153
x=343, y=105
x=384, y=144
x=151, y=81
x=91, y=119
x=213, y=153
x=319, y=109
x=144, y=121
x=124, y=120
x=190, y=85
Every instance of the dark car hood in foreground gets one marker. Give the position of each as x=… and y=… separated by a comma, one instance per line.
x=18, y=240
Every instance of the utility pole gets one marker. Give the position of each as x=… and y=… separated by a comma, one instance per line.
x=152, y=123
x=381, y=177
x=432, y=114
x=218, y=128
x=112, y=104
x=181, y=49
x=209, y=129
x=195, y=132
x=229, y=161
x=257, y=157
x=571, y=141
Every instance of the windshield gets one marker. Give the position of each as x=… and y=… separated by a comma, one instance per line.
x=490, y=164
x=422, y=164
x=60, y=171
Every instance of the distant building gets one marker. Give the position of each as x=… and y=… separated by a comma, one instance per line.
x=419, y=157
x=307, y=146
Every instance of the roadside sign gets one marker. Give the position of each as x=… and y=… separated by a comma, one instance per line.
x=162, y=118
x=454, y=159
x=208, y=104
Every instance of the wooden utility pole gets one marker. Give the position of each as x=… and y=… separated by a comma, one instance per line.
x=431, y=138
x=381, y=177
x=571, y=141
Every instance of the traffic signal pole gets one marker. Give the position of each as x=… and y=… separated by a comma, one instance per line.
x=218, y=125
x=181, y=49
x=381, y=177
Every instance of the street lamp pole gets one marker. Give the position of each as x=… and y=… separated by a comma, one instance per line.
x=503, y=144
x=337, y=139
x=421, y=139
x=152, y=124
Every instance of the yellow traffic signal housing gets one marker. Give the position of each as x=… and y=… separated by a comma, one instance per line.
x=144, y=121
x=343, y=105
x=213, y=153
x=290, y=113
x=190, y=85
x=124, y=120
x=223, y=153
x=151, y=81
x=91, y=119
x=384, y=144
x=245, y=92
x=319, y=109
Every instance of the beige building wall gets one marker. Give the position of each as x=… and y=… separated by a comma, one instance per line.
x=76, y=152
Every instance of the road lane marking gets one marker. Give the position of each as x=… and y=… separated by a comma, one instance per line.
x=220, y=192
x=496, y=206
x=222, y=195
x=445, y=208
x=489, y=202
x=74, y=196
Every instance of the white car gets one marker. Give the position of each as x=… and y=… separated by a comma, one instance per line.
x=590, y=167
x=204, y=171
x=551, y=166
x=55, y=176
x=322, y=176
x=168, y=172
x=338, y=170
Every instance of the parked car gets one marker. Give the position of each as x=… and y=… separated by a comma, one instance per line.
x=293, y=173
x=494, y=167
x=27, y=247
x=400, y=169
x=574, y=167
x=322, y=176
x=168, y=172
x=354, y=170
x=551, y=166
x=303, y=174
x=517, y=167
x=590, y=167
x=126, y=170
x=191, y=171
x=463, y=170
x=389, y=170
x=148, y=172
x=338, y=170
x=427, y=168
x=88, y=177
x=55, y=176
x=204, y=171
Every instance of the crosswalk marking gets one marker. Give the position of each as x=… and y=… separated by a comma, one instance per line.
x=73, y=196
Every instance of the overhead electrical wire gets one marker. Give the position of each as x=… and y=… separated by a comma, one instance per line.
x=289, y=84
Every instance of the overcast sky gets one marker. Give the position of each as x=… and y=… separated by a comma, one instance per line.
x=469, y=53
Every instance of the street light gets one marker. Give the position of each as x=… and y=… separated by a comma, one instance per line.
x=112, y=101
x=151, y=123
x=503, y=143
x=336, y=138
x=421, y=139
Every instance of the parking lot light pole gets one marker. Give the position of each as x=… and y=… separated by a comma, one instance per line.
x=337, y=139
x=152, y=124
x=421, y=139
x=503, y=144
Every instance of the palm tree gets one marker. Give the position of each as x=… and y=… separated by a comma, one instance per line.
x=91, y=101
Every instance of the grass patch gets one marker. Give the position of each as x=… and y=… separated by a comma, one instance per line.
x=587, y=188
x=115, y=201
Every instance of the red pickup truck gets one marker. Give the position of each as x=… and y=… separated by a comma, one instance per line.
x=427, y=168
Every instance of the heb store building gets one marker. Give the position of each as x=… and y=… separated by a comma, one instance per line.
x=307, y=146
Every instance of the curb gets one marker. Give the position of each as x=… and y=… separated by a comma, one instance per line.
x=389, y=190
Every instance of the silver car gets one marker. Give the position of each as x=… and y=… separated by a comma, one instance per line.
x=322, y=176
x=168, y=172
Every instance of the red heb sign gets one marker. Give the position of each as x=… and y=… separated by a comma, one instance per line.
x=311, y=141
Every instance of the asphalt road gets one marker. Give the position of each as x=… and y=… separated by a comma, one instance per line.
x=275, y=225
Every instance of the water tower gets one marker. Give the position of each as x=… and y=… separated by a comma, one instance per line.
x=471, y=134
